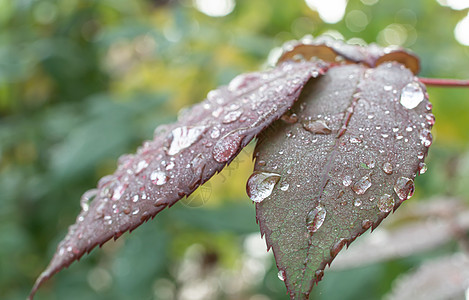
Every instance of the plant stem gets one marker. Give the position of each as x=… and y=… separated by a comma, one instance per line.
x=444, y=82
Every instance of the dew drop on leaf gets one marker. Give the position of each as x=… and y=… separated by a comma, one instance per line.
x=260, y=185
x=411, y=95
x=362, y=185
x=366, y=224
x=142, y=165
x=357, y=202
x=227, y=146
x=232, y=116
x=422, y=168
x=119, y=191
x=87, y=198
x=385, y=203
x=184, y=137
x=317, y=126
x=158, y=177
x=315, y=218
x=347, y=180
x=404, y=188
x=426, y=138
x=281, y=275
x=387, y=168
x=284, y=186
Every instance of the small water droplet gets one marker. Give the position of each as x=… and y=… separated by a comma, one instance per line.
x=317, y=126
x=366, y=224
x=347, y=180
x=215, y=133
x=284, y=186
x=411, y=95
x=315, y=218
x=142, y=165
x=158, y=177
x=387, y=168
x=426, y=138
x=404, y=188
x=355, y=140
x=135, y=211
x=385, y=203
x=86, y=199
x=422, y=168
x=184, y=137
x=232, y=116
x=395, y=129
x=135, y=198
x=119, y=191
x=281, y=275
x=357, y=202
x=408, y=129
x=387, y=88
x=290, y=118
x=362, y=185
x=170, y=165
x=260, y=185
x=227, y=146
x=430, y=119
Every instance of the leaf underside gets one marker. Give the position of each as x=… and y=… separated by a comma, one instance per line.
x=348, y=161
x=181, y=157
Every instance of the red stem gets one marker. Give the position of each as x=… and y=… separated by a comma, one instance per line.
x=444, y=82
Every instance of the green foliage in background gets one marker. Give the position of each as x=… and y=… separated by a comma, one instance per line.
x=82, y=82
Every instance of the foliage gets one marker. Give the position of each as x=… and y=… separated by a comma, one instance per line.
x=73, y=72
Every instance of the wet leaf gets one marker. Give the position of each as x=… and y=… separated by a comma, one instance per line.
x=336, y=51
x=181, y=157
x=351, y=158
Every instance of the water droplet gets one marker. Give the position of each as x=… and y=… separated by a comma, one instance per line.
x=315, y=218
x=338, y=246
x=366, y=224
x=217, y=112
x=290, y=118
x=281, y=275
x=430, y=119
x=260, y=185
x=119, y=191
x=385, y=203
x=411, y=95
x=404, y=188
x=284, y=186
x=362, y=185
x=215, y=133
x=227, y=146
x=357, y=202
x=232, y=116
x=355, y=140
x=426, y=138
x=420, y=155
x=422, y=168
x=170, y=166
x=158, y=177
x=387, y=88
x=135, y=211
x=317, y=126
x=387, y=168
x=87, y=197
x=135, y=198
x=408, y=129
x=395, y=129
x=142, y=165
x=347, y=180
x=184, y=137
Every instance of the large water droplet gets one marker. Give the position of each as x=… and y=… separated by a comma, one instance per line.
x=158, y=177
x=315, y=218
x=347, y=180
x=87, y=198
x=317, y=126
x=411, y=95
x=387, y=168
x=385, y=203
x=260, y=185
x=362, y=185
x=404, y=188
x=142, y=165
x=184, y=137
x=119, y=191
x=227, y=146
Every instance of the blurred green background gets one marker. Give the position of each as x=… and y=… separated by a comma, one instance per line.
x=82, y=82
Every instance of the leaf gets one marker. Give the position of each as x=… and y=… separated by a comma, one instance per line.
x=443, y=278
x=351, y=158
x=181, y=157
x=331, y=50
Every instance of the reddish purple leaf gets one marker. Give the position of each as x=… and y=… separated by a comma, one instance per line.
x=351, y=158
x=181, y=157
x=336, y=51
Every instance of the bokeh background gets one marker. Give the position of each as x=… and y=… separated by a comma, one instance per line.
x=82, y=82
